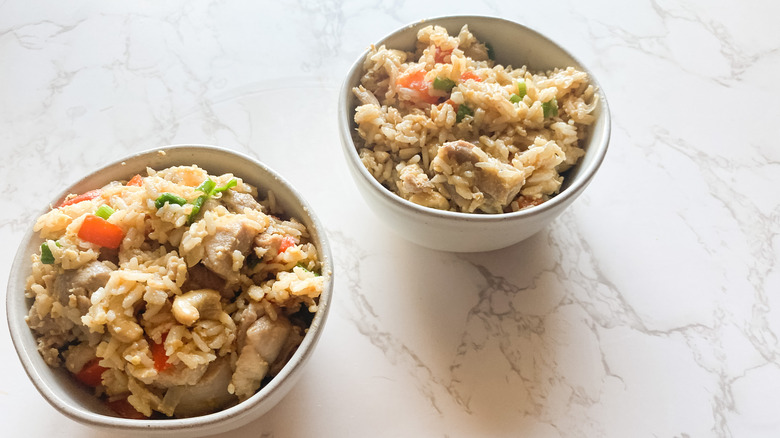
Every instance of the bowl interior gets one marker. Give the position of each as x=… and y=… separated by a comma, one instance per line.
x=513, y=44
x=56, y=385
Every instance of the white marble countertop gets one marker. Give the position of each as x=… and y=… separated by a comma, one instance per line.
x=651, y=308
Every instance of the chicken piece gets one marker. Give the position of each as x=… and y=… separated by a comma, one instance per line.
x=459, y=152
x=81, y=282
x=414, y=180
x=267, y=245
x=236, y=202
x=265, y=339
x=179, y=375
x=249, y=315
x=219, y=247
x=77, y=355
x=417, y=187
x=499, y=182
x=200, y=277
x=288, y=349
x=267, y=336
x=209, y=394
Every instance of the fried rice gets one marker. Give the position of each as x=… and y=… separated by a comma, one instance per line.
x=187, y=296
x=447, y=127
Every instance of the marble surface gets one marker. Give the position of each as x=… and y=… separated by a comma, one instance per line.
x=651, y=308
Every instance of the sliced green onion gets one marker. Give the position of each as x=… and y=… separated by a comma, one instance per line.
x=443, y=84
x=463, y=111
x=550, y=108
x=300, y=265
x=169, y=198
x=522, y=89
x=206, y=186
x=104, y=211
x=196, y=206
x=47, y=258
x=209, y=189
x=490, y=52
x=231, y=183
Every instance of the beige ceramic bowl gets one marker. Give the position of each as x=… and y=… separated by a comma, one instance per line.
x=513, y=44
x=76, y=402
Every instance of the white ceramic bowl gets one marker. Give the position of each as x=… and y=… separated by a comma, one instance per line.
x=513, y=44
x=75, y=401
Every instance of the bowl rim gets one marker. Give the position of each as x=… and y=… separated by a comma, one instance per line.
x=346, y=112
x=16, y=322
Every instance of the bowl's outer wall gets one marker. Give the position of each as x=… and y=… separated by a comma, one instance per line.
x=72, y=399
x=513, y=44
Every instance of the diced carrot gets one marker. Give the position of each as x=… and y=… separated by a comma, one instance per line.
x=125, y=410
x=416, y=81
x=158, y=354
x=92, y=194
x=466, y=75
x=91, y=373
x=287, y=242
x=136, y=181
x=101, y=232
x=440, y=54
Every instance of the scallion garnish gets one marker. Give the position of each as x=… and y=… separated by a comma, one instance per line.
x=522, y=89
x=463, y=111
x=206, y=186
x=300, y=265
x=443, y=84
x=196, y=206
x=209, y=188
x=169, y=198
x=231, y=183
x=550, y=108
x=104, y=211
x=47, y=258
